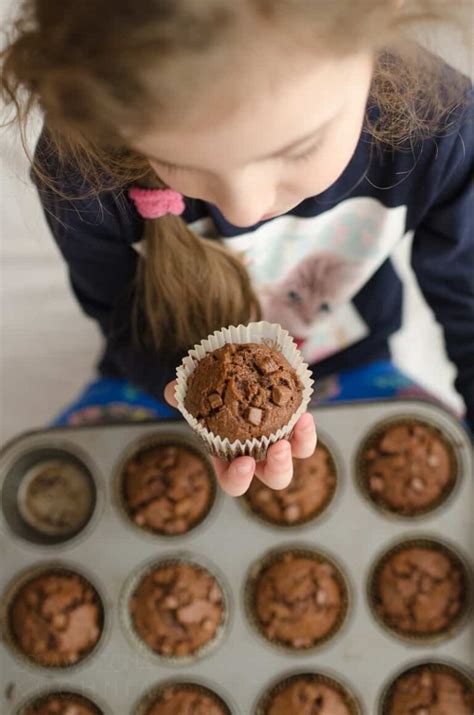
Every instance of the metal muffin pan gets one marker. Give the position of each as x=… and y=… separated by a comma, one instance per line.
x=364, y=657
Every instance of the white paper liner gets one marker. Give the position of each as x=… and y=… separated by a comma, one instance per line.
x=273, y=336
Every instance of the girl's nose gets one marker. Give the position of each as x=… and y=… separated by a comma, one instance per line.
x=245, y=199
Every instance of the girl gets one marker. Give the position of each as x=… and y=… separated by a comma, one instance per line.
x=207, y=162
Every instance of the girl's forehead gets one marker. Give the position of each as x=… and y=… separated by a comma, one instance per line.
x=246, y=116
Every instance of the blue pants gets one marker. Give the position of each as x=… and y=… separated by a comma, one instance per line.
x=110, y=400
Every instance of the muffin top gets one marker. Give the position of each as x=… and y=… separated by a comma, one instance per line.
x=419, y=591
x=167, y=489
x=242, y=391
x=430, y=692
x=62, y=704
x=56, y=618
x=408, y=468
x=304, y=695
x=177, y=608
x=312, y=486
x=186, y=699
x=297, y=600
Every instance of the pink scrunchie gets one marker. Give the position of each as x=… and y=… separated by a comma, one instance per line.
x=154, y=203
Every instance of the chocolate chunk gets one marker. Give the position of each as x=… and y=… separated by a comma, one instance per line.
x=281, y=395
x=215, y=401
x=265, y=364
x=255, y=416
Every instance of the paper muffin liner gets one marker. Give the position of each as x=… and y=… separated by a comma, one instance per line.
x=276, y=555
x=319, y=678
x=64, y=693
x=458, y=622
x=371, y=440
x=133, y=582
x=164, y=439
x=457, y=670
x=12, y=592
x=273, y=336
x=152, y=696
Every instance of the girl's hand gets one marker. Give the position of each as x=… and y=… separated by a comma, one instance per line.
x=276, y=470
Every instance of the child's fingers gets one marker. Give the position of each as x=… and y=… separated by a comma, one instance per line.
x=304, y=438
x=235, y=477
x=169, y=393
x=276, y=470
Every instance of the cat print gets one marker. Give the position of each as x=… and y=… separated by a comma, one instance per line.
x=308, y=294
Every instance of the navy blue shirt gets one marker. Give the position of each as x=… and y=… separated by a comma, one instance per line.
x=323, y=270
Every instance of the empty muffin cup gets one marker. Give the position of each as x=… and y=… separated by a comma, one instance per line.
x=175, y=608
x=420, y=590
x=308, y=693
x=309, y=494
x=407, y=467
x=297, y=598
x=166, y=486
x=60, y=702
x=176, y=697
x=52, y=617
x=429, y=687
x=48, y=495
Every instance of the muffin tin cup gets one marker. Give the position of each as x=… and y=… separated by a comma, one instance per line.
x=435, y=543
x=188, y=442
x=63, y=689
x=8, y=598
x=269, y=334
x=458, y=670
x=274, y=556
x=18, y=469
x=333, y=681
x=148, y=699
x=319, y=515
x=134, y=581
x=452, y=444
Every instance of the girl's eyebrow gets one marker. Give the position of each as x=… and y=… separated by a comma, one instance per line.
x=294, y=145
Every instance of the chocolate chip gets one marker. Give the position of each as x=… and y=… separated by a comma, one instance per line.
x=281, y=395
x=215, y=401
x=255, y=416
x=265, y=364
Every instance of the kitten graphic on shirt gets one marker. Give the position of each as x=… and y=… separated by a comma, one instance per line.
x=310, y=291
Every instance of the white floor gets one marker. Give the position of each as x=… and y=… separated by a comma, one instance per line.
x=48, y=348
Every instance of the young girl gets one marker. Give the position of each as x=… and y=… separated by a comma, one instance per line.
x=208, y=162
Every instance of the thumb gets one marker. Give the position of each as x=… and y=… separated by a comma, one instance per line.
x=169, y=393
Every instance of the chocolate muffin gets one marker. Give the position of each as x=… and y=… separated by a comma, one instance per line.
x=187, y=699
x=56, y=618
x=306, y=695
x=61, y=704
x=419, y=590
x=430, y=691
x=408, y=468
x=309, y=493
x=242, y=391
x=297, y=600
x=177, y=609
x=167, y=489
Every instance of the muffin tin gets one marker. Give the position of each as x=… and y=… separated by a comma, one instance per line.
x=242, y=666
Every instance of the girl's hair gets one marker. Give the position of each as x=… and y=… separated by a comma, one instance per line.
x=103, y=71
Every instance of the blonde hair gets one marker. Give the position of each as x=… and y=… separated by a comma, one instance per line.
x=91, y=78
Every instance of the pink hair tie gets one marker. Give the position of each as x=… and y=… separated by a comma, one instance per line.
x=154, y=203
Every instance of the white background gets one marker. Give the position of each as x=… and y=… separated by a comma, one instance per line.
x=48, y=347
